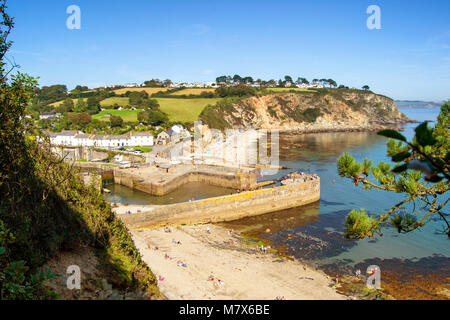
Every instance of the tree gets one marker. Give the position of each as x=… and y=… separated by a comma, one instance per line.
x=49, y=94
x=421, y=173
x=301, y=80
x=247, y=80
x=81, y=106
x=81, y=88
x=93, y=105
x=221, y=79
x=167, y=83
x=366, y=87
x=332, y=83
x=153, y=83
x=240, y=90
x=288, y=79
x=237, y=78
x=153, y=117
x=116, y=121
x=66, y=106
x=135, y=98
x=151, y=104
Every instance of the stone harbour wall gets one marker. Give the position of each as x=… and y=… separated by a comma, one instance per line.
x=234, y=181
x=227, y=208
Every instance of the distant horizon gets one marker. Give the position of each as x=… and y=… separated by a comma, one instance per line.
x=408, y=58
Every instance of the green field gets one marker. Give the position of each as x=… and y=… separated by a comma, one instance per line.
x=184, y=109
x=194, y=91
x=143, y=149
x=127, y=115
x=150, y=91
x=57, y=103
x=113, y=100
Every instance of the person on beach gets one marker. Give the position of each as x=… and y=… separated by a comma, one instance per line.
x=208, y=230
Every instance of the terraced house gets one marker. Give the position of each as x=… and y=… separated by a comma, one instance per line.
x=75, y=138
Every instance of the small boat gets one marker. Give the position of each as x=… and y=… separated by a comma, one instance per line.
x=106, y=190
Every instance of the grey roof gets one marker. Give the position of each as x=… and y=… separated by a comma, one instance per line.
x=142, y=134
x=47, y=114
x=170, y=132
x=83, y=136
x=121, y=137
x=99, y=137
x=67, y=133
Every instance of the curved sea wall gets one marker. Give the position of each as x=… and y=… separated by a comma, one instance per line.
x=227, y=208
x=217, y=178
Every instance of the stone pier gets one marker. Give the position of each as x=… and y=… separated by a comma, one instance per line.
x=227, y=208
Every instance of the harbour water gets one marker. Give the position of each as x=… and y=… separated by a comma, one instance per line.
x=314, y=233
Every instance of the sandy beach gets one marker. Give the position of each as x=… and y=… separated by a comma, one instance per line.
x=192, y=263
x=133, y=208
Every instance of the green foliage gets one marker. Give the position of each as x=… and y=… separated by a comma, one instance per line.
x=348, y=167
x=392, y=134
x=78, y=121
x=241, y=90
x=308, y=115
x=359, y=224
x=66, y=106
x=116, y=121
x=45, y=208
x=421, y=173
x=214, y=115
x=153, y=117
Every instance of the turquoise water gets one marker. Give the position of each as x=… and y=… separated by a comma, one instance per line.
x=315, y=232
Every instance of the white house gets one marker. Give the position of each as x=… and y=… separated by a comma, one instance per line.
x=83, y=140
x=47, y=115
x=100, y=140
x=119, y=141
x=142, y=139
x=66, y=137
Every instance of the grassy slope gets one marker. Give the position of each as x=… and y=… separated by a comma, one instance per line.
x=194, y=91
x=57, y=213
x=185, y=110
x=57, y=103
x=127, y=115
x=121, y=101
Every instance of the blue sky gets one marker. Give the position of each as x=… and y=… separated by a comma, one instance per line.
x=196, y=40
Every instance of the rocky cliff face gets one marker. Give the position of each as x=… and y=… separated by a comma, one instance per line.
x=329, y=110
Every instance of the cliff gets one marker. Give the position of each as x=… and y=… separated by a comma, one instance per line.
x=322, y=110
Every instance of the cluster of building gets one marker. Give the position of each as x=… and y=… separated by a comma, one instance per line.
x=77, y=138
x=50, y=115
x=215, y=85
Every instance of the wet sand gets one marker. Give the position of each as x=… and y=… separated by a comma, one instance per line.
x=219, y=265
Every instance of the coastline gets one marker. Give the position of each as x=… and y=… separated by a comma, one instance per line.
x=244, y=271
x=375, y=128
